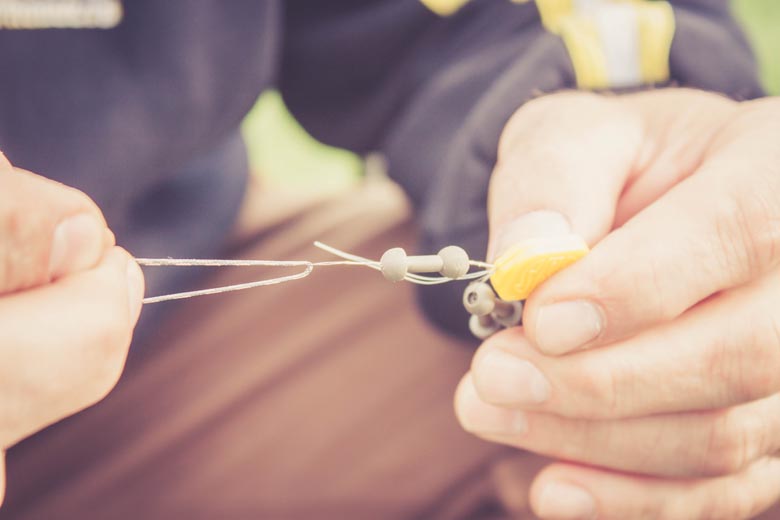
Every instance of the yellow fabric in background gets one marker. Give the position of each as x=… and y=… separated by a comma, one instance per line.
x=282, y=152
x=656, y=32
x=553, y=12
x=444, y=7
x=585, y=50
x=581, y=36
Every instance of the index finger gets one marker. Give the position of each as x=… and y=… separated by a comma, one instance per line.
x=715, y=230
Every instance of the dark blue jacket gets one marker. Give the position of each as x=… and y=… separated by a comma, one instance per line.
x=144, y=117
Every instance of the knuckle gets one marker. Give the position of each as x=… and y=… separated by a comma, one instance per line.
x=526, y=121
x=109, y=334
x=766, y=359
x=80, y=201
x=100, y=366
x=106, y=357
x=30, y=207
x=716, y=364
x=743, y=254
x=728, y=504
x=756, y=369
x=531, y=111
x=747, y=230
x=744, y=361
x=105, y=347
x=111, y=339
x=23, y=258
x=637, y=292
x=730, y=446
x=602, y=387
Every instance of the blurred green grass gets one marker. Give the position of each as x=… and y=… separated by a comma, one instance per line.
x=283, y=153
x=761, y=20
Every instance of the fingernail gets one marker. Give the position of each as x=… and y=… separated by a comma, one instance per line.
x=559, y=501
x=535, y=224
x=135, y=288
x=77, y=244
x=480, y=417
x=563, y=327
x=508, y=379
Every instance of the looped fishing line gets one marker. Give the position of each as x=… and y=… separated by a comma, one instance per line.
x=349, y=259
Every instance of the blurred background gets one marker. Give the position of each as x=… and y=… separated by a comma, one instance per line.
x=283, y=153
x=300, y=399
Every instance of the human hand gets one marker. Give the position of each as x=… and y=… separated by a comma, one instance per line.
x=651, y=367
x=69, y=300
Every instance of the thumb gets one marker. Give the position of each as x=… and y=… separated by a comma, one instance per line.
x=563, y=162
x=47, y=230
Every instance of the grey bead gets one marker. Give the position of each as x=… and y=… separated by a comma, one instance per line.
x=508, y=314
x=393, y=264
x=479, y=299
x=455, y=262
x=483, y=326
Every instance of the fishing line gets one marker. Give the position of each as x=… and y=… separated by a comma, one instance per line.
x=349, y=259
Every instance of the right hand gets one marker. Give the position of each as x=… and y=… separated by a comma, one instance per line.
x=69, y=300
x=649, y=369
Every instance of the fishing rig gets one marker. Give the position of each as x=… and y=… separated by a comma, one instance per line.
x=494, y=298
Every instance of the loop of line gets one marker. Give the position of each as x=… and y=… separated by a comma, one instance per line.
x=349, y=259
x=237, y=287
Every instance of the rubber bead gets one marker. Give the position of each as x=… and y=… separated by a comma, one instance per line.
x=393, y=264
x=510, y=315
x=456, y=262
x=479, y=299
x=483, y=326
x=526, y=265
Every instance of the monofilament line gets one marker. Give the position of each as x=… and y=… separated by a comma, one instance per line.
x=217, y=290
x=349, y=260
x=418, y=279
x=190, y=262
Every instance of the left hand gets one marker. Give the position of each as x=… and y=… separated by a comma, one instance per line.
x=652, y=366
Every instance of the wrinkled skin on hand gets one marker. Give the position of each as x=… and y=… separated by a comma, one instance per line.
x=648, y=371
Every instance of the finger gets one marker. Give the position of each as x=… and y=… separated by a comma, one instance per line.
x=675, y=445
x=680, y=126
x=565, y=491
x=512, y=476
x=47, y=230
x=714, y=230
x=63, y=345
x=723, y=352
x=562, y=163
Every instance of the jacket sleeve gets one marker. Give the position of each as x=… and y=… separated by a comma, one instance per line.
x=710, y=51
x=115, y=112
x=434, y=93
